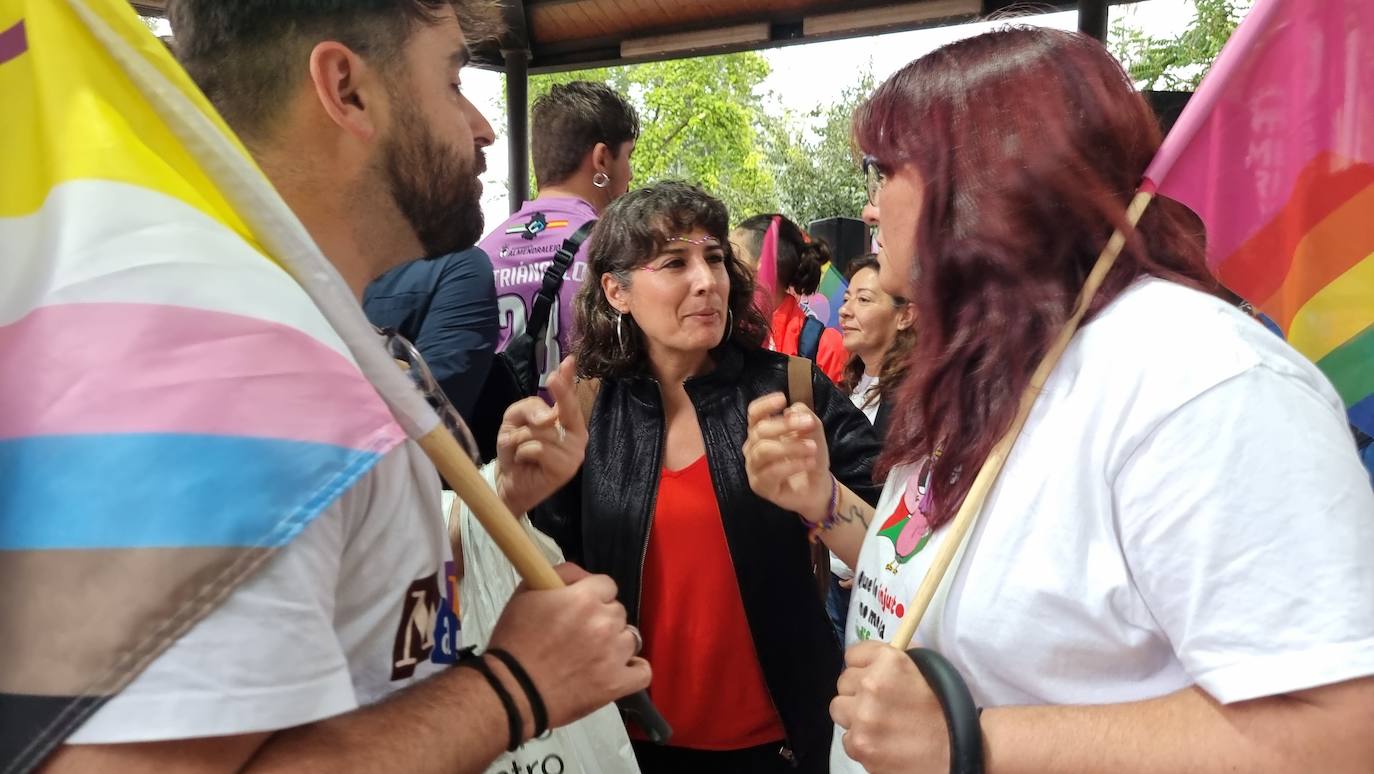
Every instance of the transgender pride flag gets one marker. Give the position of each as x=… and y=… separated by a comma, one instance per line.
x=1276, y=154
x=185, y=382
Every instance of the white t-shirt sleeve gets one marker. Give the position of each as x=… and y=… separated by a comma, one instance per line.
x=1248, y=526
x=268, y=658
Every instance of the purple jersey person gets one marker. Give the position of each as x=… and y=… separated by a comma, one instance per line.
x=521, y=249
x=582, y=136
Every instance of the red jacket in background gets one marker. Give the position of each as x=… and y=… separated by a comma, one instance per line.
x=788, y=318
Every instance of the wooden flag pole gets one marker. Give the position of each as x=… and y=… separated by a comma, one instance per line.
x=992, y=467
x=459, y=471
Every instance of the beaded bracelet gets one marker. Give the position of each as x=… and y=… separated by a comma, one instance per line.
x=832, y=516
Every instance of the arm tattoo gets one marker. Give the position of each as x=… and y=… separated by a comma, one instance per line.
x=855, y=513
x=852, y=509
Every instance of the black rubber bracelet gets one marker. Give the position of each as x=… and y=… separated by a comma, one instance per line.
x=467, y=658
x=537, y=708
x=961, y=714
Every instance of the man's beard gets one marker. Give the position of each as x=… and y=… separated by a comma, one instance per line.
x=436, y=189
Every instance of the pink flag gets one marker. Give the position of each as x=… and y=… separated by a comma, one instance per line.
x=1275, y=153
x=766, y=278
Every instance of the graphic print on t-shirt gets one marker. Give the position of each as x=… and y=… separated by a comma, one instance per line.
x=885, y=581
x=415, y=632
x=536, y=225
x=907, y=528
x=877, y=597
x=447, y=629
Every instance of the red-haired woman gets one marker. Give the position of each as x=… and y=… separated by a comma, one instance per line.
x=1173, y=572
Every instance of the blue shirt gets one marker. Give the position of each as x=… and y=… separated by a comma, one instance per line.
x=447, y=308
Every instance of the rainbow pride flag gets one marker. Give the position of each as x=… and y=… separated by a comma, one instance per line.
x=1275, y=152
x=829, y=297
x=185, y=381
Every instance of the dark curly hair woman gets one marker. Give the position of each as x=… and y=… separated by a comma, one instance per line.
x=719, y=580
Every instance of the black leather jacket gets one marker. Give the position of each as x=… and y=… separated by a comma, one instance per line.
x=601, y=520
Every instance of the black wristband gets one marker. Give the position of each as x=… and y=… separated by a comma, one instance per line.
x=467, y=658
x=537, y=708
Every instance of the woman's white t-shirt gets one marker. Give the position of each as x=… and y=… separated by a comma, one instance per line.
x=860, y=396
x=1185, y=506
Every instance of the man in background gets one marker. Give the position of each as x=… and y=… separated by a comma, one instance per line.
x=582, y=137
x=446, y=307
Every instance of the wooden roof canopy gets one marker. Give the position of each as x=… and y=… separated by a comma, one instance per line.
x=554, y=35
x=572, y=34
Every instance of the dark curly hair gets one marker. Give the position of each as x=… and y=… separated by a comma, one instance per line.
x=893, y=367
x=800, y=257
x=632, y=230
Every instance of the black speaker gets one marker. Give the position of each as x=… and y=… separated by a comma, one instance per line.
x=848, y=238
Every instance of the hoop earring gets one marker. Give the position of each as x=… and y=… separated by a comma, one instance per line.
x=618, y=337
x=601, y=180
x=729, y=323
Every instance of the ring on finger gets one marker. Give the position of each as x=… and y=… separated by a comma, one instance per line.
x=639, y=639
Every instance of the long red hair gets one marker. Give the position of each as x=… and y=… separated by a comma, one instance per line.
x=1030, y=144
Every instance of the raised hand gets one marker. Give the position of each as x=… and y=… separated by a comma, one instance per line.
x=786, y=457
x=539, y=448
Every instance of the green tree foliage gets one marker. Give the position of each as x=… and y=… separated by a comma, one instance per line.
x=702, y=121
x=1178, y=63
x=817, y=172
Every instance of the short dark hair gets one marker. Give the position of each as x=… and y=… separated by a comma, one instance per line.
x=568, y=122
x=632, y=230
x=246, y=55
x=800, y=257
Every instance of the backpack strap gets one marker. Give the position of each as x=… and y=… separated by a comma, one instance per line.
x=586, y=390
x=553, y=281
x=799, y=391
x=809, y=340
x=799, y=381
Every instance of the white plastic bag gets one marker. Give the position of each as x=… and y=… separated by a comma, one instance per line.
x=596, y=744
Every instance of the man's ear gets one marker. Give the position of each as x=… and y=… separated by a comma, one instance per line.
x=345, y=88
x=602, y=158
x=617, y=295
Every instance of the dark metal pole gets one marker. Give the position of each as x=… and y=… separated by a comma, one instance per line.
x=518, y=119
x=1092, y=18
